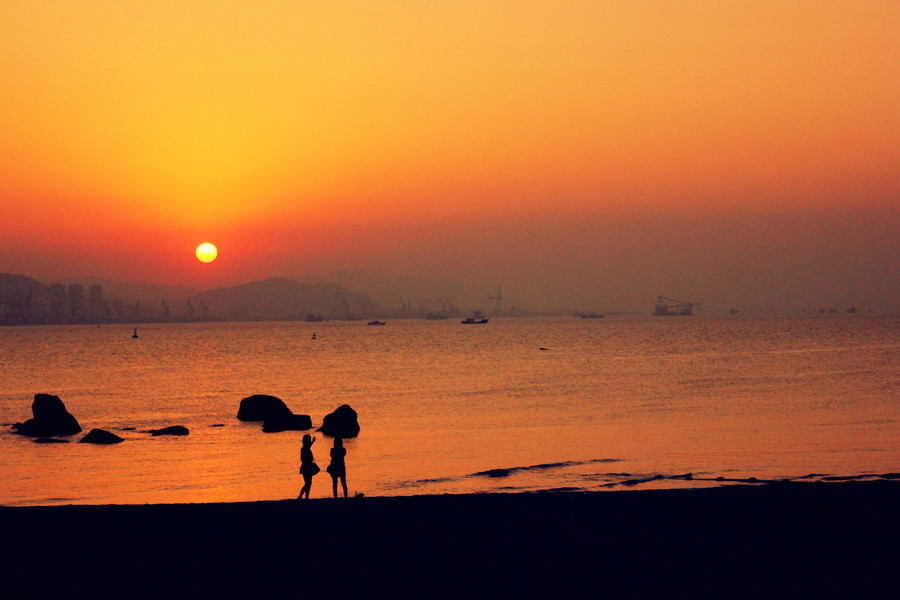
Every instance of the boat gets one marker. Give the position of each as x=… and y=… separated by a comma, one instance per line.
x=667, y=307
x=376, y=322
x=591, y=315
x=476, y=319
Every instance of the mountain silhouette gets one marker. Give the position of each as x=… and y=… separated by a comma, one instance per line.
x=277, y=298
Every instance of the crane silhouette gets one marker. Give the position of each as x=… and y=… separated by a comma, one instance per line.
x=498, y=297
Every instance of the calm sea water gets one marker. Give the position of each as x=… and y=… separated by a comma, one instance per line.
x=514, y=405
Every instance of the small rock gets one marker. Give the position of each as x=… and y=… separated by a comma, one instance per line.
x=100, y=436
x=292, y=423
x=173, y=430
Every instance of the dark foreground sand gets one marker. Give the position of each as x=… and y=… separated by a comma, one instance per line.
x=798, y=540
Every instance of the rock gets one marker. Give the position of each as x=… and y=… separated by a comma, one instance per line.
x=496, y=473
x=341, y=423
x=260, y=407
x=100, y=436
x=50, y=418
x=173, y=430
x=45, y=440
x=292, y=423
x=274, y=414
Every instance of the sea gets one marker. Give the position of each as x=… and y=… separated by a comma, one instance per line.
x=514, y=405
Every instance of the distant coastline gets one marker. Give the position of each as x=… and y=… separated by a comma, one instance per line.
x=27, y=301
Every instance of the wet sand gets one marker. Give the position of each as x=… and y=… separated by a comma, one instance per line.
x=796, y=540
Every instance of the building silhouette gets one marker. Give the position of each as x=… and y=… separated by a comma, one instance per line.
x=75, y=294
x=57, y=303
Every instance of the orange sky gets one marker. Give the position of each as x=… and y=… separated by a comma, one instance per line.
x=300, y=136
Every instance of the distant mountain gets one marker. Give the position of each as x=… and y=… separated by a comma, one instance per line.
x=277, y=298
x=11, y=284
x=414, y=296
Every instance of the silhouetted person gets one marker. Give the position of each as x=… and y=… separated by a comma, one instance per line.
x=308, y=466
x=337, y=469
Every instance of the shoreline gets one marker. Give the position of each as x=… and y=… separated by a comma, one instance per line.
x=827, y=539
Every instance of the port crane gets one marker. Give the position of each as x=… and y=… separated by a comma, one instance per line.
x=498, y=297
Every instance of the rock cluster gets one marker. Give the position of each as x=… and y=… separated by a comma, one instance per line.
x=51, y=418
x=276, y=416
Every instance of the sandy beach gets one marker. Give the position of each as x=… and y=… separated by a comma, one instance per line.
x=779, y=540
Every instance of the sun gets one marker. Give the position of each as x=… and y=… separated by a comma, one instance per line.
x=206, y=252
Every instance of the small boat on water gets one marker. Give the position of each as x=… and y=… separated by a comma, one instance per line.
x=476, y=319
x=376, y=322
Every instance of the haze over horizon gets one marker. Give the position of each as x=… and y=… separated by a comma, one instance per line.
x=580, y=155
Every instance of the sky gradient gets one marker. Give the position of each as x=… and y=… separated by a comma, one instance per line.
x=583, y=154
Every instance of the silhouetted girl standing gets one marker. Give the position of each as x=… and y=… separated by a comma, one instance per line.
x=337, y=469
x=308, y=466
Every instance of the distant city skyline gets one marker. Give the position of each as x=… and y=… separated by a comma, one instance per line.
x=372, y=296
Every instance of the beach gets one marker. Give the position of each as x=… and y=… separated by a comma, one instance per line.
x=785, y=540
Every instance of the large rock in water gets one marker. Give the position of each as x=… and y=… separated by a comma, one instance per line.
x=341, y=423
x=50, y=418
x=261, y=407
x=100, y=436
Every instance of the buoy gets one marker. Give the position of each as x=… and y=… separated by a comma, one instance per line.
x=135, y=333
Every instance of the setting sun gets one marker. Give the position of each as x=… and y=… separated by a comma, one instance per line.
x=206, y=252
